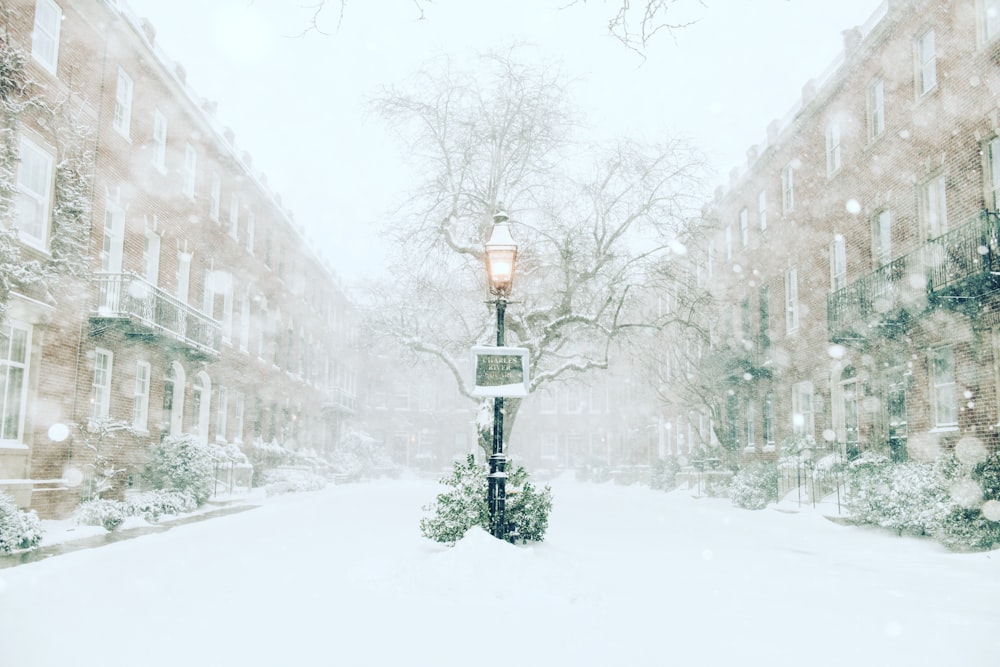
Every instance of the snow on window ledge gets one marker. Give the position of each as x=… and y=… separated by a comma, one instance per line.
x=944, y=429
x=14, y=445
x=768, y=448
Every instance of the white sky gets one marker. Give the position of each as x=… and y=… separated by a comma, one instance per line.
x=297, y=103
x=625, y=576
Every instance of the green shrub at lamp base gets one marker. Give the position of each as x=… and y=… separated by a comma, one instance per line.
x=464, y=505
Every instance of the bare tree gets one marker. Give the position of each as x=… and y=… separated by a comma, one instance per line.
x=633, y=24
x=593, y=223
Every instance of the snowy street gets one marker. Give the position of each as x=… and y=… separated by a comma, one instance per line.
x=626, y=576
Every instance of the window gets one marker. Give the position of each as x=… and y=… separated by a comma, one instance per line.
x=729, y=241
x=34, y=193
x=749, y=430
x=221, y=413
x=768, y=420
x=159, y=140
x=882, y=238
x=791, y=300
x=762, y=209
x=215, y=197
x=851, y=416
x=926, y=63
x=991, y=19
x=45, y=34
x=123, y=104
x=234, y=216
x=14, y=345
x=944, y=391
x=550, y=446
x=227, y=310
x=744, y=228
x=765, y=322
x=140, y=397
x=245, y=322
x=239, y=412
x=183, y=275
x=549, y=404
x=574, y=398
x=838, y=263
x=190, y=169
x=832, y=148
x=151, y=257
x=201, y=394
x=251, y=223
x=993, y=172
x=933, y=208
x=876, y=109
x=787, y=188
x=100, y=397
x=802, y=409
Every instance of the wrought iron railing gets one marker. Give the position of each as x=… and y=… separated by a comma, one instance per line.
x=127, y=296
x=946, y=265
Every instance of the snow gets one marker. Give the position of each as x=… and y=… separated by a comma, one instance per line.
x=626, y=576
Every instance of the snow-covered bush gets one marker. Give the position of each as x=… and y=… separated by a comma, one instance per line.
x=18, y=529
x=907, y=497
x=288, y=480
x=663, y=475
x=182, y=463
x=754, y=486
x=465, y=505
x=966, y=529
x=360, y=456
x=151, y=505
x=98, y=512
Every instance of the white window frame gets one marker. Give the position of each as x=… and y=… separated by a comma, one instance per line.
x=549, y=403
x=215, y=197
x=934, y=206
x=728, y=240
x=803, y=416
x=549, y=446
x=100, y=396
x=788, y=188
x=990, y=19
x=159, y=140
x=944, y=388
x=151, y=257
x=251, y=224
x=239, y=415
x=140, y=396
x=35, y=176
x=744, y=227
x=926, y=63
x=190, y=170
x=833, y=161
x=993, y=170
x=245, y=322
x=791, y=300
x=45, y=34
x=15, y=359
x=838, y=263
x=221, y=413
x=234, y=216
x=876, y=108
x=124, y=89
x=882, y=237
x=762, y=209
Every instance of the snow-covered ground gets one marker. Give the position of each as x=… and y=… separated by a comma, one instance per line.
x=626, y=576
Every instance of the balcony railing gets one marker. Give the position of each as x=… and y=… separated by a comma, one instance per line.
x=953, y=268
x=151, y=310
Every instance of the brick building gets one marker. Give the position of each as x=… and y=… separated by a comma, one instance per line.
x=180, y=296
x=854, y=262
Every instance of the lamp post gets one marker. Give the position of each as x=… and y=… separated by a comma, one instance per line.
x=501, y=254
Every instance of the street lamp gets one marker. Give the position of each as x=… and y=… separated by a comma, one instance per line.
x=501, y=254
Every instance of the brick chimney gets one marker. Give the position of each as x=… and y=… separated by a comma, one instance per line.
x=149, y=31
x=808, y=92
x=773, y=129
x=852, y=39
x=752, y=154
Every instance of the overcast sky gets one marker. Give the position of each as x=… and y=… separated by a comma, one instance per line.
x=297, y=101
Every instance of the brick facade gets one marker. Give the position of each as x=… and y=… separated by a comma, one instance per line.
x=197, y=277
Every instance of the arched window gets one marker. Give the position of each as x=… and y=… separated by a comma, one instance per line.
x=201, y=397
x=173, y=398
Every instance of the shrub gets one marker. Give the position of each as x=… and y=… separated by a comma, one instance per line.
x=755, y=486
x=151, y=505
x=965, y=529
x=107, y=513
x=359, y=456
x=905, y=497
x=663, y=476
x=18, y=529
x=292, y=479
x=465, y=505
x=182, y=463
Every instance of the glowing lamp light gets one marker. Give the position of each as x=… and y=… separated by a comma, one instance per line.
x=501, y=256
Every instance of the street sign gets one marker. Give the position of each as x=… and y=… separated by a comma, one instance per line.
x=500, y=371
